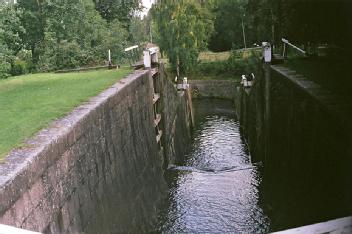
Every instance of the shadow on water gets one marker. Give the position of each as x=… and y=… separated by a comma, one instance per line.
x=214, y=188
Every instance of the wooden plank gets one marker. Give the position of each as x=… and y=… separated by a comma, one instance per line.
x=157, y=120
x=343, y=225
x=158, y=137
x=156, y=97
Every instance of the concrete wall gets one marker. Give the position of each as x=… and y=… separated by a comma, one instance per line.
x=288, y=108
x=301, y=133
x=213, y=88
x=97, y=170
x=177, y=120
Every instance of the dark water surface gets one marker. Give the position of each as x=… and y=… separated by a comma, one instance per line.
x=215, y=188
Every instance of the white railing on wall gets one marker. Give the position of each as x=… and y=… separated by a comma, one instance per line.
x=287, y=43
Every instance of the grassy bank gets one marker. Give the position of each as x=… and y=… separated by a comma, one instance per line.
x=29, y=103
x=208, y=56
x=226, y=65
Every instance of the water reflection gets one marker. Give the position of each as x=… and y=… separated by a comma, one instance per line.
x=214, y=189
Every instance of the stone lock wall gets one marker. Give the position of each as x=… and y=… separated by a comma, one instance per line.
x=225, y=89
x=301, y=133
x=177, y=118
x=285, y=107
x=97, y=170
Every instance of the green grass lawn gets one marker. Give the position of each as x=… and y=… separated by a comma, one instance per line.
x=208, y=56
x=29, y=103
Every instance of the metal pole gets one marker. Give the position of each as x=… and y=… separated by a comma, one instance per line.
x=244, y=35
x=150, y=32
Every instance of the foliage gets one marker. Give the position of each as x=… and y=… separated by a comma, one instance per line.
x=213, y=56
x=10, y=42
x=19, y=67
x=244, y=63
x=33, y=20
x=184, y=28
x=228, y=25
x=64, y=54
x=302, y=21
x=122, y=10
x=140, y=29
x=5, y=65
x=237, y=64
x=10, y=27
x=41, y=98
x=307, y=22
x=69, y=34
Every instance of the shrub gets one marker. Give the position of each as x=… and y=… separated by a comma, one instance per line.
x=5, y=62
x=62, y=55
x=243, y=63
x=238, y=63
x=216, y=67
x=19, y=67
x=5, y=69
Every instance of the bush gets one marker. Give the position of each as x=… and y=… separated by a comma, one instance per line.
x=5, y=65
x=5, y=69
x=63, y=55
x=216, y=67
x=239, y=63
x=243, y=63
x=19, y=67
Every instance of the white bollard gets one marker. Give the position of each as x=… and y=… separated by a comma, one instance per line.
x=266, y=52
x=147, y=59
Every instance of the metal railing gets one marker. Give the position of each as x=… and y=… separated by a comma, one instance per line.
x=287, y=43
x=133, y=54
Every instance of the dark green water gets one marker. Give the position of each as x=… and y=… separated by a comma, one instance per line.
x=215, y=188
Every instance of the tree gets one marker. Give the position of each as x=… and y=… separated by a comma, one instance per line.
x=10, y=41
x=184, y=28
x=122, y=10
x=33, y=21
x=140, y=29
x=229, y=15
x=302, y=21
x=76, y=35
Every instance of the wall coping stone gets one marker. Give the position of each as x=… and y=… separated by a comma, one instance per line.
x=215, y=81
x=332, y=103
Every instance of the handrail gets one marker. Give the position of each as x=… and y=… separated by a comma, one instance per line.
x=131, y=48
x=133, y=54
x=285, y=41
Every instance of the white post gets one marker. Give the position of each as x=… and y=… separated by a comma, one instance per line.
x=109, y=57
x=147, y=59
x=266, y=52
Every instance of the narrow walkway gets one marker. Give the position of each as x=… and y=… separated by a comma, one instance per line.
x=335, y=104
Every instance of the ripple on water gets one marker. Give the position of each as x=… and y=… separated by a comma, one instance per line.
x=222, y=202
